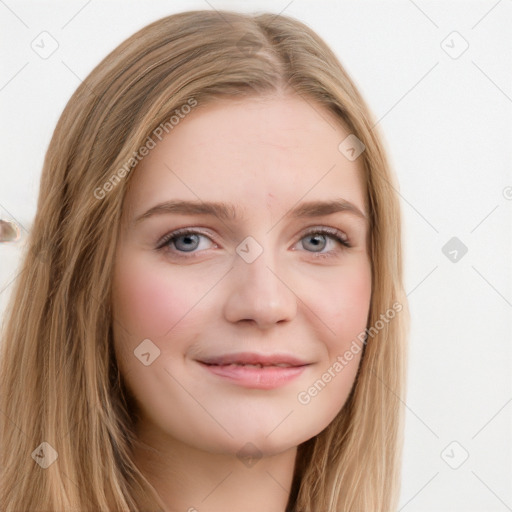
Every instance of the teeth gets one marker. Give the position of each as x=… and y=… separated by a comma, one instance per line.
x=251, y=365
x=259, y=365
x=248, y=365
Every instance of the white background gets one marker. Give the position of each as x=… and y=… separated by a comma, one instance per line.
x=447, y=126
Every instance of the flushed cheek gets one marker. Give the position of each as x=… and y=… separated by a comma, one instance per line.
x=149, y=303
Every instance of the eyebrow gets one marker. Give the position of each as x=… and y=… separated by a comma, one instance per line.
x=228, y=212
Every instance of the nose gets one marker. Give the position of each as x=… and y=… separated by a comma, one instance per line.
x=259, y=293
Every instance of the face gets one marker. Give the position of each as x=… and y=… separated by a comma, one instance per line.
x=229, y=322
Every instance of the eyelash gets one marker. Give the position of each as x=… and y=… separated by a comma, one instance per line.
x=331, y=232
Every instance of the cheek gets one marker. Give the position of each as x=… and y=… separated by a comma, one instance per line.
x=145, y=302
x=343, y=305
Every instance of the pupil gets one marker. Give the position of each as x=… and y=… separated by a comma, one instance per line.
x=316, y=240
x=188, y=238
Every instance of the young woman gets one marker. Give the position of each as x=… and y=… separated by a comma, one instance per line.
x=210, y=315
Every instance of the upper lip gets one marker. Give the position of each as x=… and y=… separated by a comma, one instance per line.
x=254, y=358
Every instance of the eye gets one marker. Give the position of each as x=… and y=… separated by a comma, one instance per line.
x=183, y=240
x=189, y=240
x=317, y=239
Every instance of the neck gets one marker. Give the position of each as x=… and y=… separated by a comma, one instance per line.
x=191, y=480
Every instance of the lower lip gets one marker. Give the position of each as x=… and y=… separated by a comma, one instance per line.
x=267, y=377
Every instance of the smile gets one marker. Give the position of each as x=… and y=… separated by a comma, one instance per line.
x=255, y=375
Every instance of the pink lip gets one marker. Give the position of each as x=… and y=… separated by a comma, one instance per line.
x=269, y=376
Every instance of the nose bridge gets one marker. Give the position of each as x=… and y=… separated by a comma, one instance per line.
x=257, y=274
x=257, y=291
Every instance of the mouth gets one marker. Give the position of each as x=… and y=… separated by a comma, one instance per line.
x=253, y=365
x=256, y=360
x=255, y=371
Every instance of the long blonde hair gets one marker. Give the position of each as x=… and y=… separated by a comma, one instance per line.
x=59, y=381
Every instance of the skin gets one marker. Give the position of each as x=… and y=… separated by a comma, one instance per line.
x=263, y=155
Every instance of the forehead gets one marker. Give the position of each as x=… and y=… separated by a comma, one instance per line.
x=253, y=151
